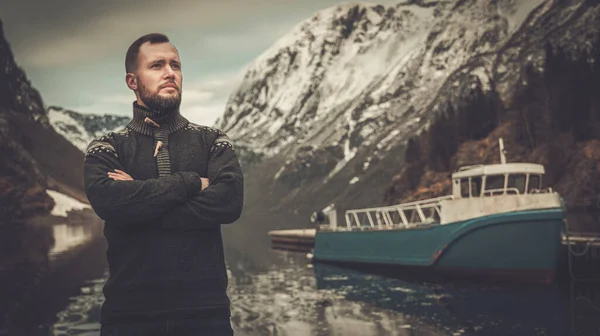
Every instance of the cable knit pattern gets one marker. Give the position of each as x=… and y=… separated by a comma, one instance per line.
x=165, y=249
x=162, y=158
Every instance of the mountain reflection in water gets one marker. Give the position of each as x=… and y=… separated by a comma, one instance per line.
x=51, y=279
x=43, y=263
x=69, y=237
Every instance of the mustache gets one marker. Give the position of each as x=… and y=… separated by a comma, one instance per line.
x=169, y=84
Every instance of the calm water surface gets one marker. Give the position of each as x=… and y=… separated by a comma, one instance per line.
x=51, y=278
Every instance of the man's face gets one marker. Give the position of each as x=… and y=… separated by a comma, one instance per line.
x=158, y=77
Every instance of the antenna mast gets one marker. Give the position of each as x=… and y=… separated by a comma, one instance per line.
x=502, y=151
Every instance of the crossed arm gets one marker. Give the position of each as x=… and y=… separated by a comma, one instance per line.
x=119, y=175
x=183, y=200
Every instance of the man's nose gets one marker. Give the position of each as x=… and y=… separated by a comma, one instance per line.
x=169, y=72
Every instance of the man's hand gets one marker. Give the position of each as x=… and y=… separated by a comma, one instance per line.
x=120, y=176
x=205, y=183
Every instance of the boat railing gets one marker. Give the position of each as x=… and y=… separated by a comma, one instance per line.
x=541, y=191
x=469, y=167
x=401, y=215
x=501, y=191
x=514, y=191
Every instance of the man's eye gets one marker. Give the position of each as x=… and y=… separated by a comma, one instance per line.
x=154, y=66
x=176, y=66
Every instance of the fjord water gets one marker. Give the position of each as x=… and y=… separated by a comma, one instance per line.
x=52, y=273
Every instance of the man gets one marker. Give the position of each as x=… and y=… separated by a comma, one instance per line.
x=163, y=186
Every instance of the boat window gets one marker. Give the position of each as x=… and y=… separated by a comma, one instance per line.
x=517, y=181
x=476, y=186
x=534, y=182
x=494, y=182
x=464, y=187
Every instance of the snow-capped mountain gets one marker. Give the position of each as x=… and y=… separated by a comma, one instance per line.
x=346, y=89
x=80, y=129
x=358, y=74
x=349, y=69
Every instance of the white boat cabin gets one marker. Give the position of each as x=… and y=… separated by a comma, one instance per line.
x=483, y=190
x=497, y=179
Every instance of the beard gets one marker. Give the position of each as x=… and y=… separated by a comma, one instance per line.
x=158, y=103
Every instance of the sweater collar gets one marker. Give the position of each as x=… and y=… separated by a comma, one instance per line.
x=145, y=121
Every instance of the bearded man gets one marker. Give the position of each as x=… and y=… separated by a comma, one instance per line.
x=163, y=186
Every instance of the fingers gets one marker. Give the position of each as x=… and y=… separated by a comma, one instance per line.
x=122, y=173
x=205, y=183
x=120, y=176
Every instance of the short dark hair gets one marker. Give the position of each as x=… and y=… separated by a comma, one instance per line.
x=134, y=49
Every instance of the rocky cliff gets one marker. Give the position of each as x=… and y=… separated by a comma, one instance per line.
x=29, y=147
x=22, y=184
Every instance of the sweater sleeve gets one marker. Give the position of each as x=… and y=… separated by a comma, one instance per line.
x=130, y=202
x=222, y=201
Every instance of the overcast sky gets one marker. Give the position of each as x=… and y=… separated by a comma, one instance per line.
x=73, y=50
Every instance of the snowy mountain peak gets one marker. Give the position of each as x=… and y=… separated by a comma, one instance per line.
x=315, y=72
x=351, y=69
x=81, y=129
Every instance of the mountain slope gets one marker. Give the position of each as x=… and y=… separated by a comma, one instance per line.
x=326, y=114
x=345, y=71
x=30, y=147
x=81, y=129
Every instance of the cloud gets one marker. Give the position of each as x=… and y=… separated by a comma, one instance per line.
x=197, y=96
x=85, y=31
x=120, y=99
x=204, y=100
x=247, y=39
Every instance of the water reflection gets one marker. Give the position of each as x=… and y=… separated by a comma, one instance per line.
x=69, y=237
x=43, y=262
x=277, y=301
x=584, y=308
x=82, y=315
x=302, y=299
x=458, y=308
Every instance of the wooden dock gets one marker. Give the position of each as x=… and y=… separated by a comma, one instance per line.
x=583, y=238
x=301, y=240
x=583, y=253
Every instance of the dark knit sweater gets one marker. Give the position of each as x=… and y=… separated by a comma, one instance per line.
x=165, y=250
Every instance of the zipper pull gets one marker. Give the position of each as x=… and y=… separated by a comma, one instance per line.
x=158, y=146
x=151, y=122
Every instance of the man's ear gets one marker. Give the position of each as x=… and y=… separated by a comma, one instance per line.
x=131, y=81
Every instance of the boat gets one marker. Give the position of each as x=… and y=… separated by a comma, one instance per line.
x=499, y=221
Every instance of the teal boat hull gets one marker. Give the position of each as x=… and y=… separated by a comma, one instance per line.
x=523, y=244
